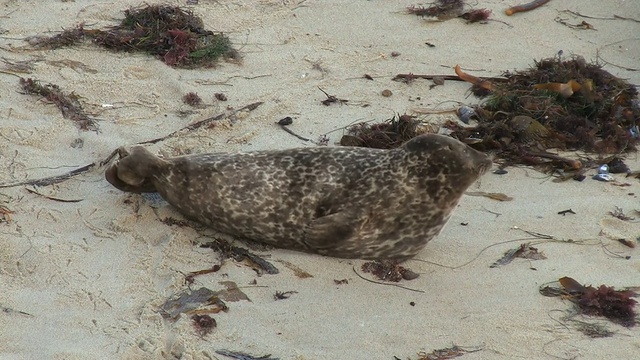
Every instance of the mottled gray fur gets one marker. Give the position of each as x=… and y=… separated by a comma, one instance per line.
x=345, y=202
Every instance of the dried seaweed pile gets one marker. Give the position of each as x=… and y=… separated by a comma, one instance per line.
x=175, y=35
x=387, y=135
x=567, y=105
x=616, y=305
x=448, y=9
x=68, y=103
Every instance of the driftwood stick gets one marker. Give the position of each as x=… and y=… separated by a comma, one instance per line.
x=202, y=123
x=405, y=77
x=50, y=180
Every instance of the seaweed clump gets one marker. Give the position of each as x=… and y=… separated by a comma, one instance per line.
x=388, y=270
x=615, y=305
x=173, y=34
x=386, y=135
x=566, y=105
x=448, y=9
x=68, y=103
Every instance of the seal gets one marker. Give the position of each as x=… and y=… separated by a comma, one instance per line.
x=346, y=202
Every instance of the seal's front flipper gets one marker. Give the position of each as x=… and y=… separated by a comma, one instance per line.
x=329, y=231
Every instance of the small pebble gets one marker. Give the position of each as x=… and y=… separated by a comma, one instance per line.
x=77, y=143
x=465, y=113
x=603, y=169
x=395, y=54
x=386, y=93
x=500, y=171
x=285, y=121
x=409, y=275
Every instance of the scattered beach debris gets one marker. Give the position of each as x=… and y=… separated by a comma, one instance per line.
x=68, y=104
x=232, y=292
x=206, y=122
x=494, y=196
x=446, y=353
x=340, y=282
x=284, y=122
x=297, y=271
x=565, y=212
x=243, y=356
x=11, y=311
x=619, y=213
x=410, y=77
x=33, y=191
x=173, y=34
x=388, y=270
x=525, y=251
x=617, y=166
x=258, y=264
x=593, y=330
x=580, y=26
x=5, y=214
x=525, y=7
x=331, y=99
x=448, y=9
x=282, y=295
x=220, y=96
x=201, y=301
x=386, y=135
x=204, y=324
x=192, y=99
x=603, y=174
x=615, y=305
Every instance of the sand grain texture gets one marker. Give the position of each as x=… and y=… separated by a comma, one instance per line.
x=93, y=274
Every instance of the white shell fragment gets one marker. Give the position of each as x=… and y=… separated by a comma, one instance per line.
x=603, y=177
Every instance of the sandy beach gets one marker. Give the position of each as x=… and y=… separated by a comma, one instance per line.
x=86, y=278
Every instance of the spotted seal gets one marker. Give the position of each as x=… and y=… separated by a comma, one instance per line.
x=346, y=202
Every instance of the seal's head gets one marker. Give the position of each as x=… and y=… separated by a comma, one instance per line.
x=135, y=171
x=445, y=166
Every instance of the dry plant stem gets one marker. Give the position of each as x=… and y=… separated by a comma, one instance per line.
x=202, y=123
x=485, y=84
x=615, y=17
x=404, y=77
x=573, y=164
x=525, y=7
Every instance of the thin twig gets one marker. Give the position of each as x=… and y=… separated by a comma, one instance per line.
x=53, y=198
x=202, y=123
x=615, y=17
